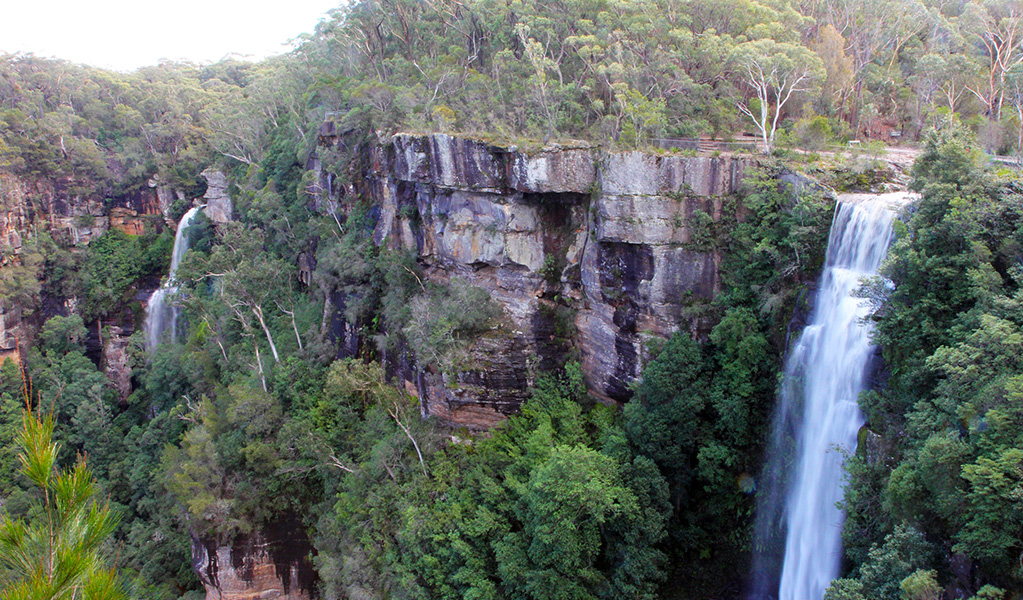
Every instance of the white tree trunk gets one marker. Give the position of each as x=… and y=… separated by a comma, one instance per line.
x=258, y=311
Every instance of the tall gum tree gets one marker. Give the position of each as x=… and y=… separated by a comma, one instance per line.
x=874, y=31
x=998, y=27
x=829, y=45
x=952, y=75
x=1014, y=95
x=773, y=72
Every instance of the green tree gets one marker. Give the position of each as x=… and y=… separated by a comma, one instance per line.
x=953, y=74
x=903, y=552
x=951, y=331
x=995, y=501
x=1014, y=97
x=568, y=500
x=58, y=554
x=837, y=86
x=921, y=585
x=997, y=25
x=443, y=321
x=11, y=407
x=663, y=420
x=774, y=71
x=844, y=589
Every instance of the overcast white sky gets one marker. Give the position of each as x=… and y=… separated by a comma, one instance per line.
x=127, y=34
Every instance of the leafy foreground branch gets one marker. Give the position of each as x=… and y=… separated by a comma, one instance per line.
x=57, y=554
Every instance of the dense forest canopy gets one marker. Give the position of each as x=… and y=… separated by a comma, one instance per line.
x=251, y=419
x=817, y=71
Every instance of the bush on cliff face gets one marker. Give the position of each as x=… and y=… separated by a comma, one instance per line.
x=113, y=266
x=443, y=322
x=20, y=281
x=778, y=247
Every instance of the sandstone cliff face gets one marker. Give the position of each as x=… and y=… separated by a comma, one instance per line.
x=115, y=361
x=589, y=254
x=26, y=204
x=273, y=564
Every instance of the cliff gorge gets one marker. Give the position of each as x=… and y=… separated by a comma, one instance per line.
x=590, y=254
x=30, y=206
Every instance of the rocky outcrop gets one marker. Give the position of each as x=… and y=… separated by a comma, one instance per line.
x=10, y=318
x=219, y=208
x=274, y=564
x=14, y=214
x=589, y=254
x=166, y=197
x=116, y=363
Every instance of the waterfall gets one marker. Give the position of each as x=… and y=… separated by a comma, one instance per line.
x=160, y=314
x=818, y=418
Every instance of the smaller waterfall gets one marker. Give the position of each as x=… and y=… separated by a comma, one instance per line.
x=160, y=314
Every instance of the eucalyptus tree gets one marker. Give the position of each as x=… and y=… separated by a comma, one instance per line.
x=540, y=83
x=997, y=27
x=838, y=65
x=874, y=30
x=1014, y=95
x=773, y=72
x=953, y=75
x=240, y=276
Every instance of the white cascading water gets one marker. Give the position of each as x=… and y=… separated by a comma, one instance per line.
x=824, y=375
x=160, y=314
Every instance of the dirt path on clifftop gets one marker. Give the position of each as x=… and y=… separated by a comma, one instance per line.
x=902, y=157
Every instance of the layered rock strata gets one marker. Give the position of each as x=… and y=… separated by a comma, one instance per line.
x=274, y=564
x=589, y=254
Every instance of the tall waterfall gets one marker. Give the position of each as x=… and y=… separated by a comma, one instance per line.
x=160, y=315
x=818, y=414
